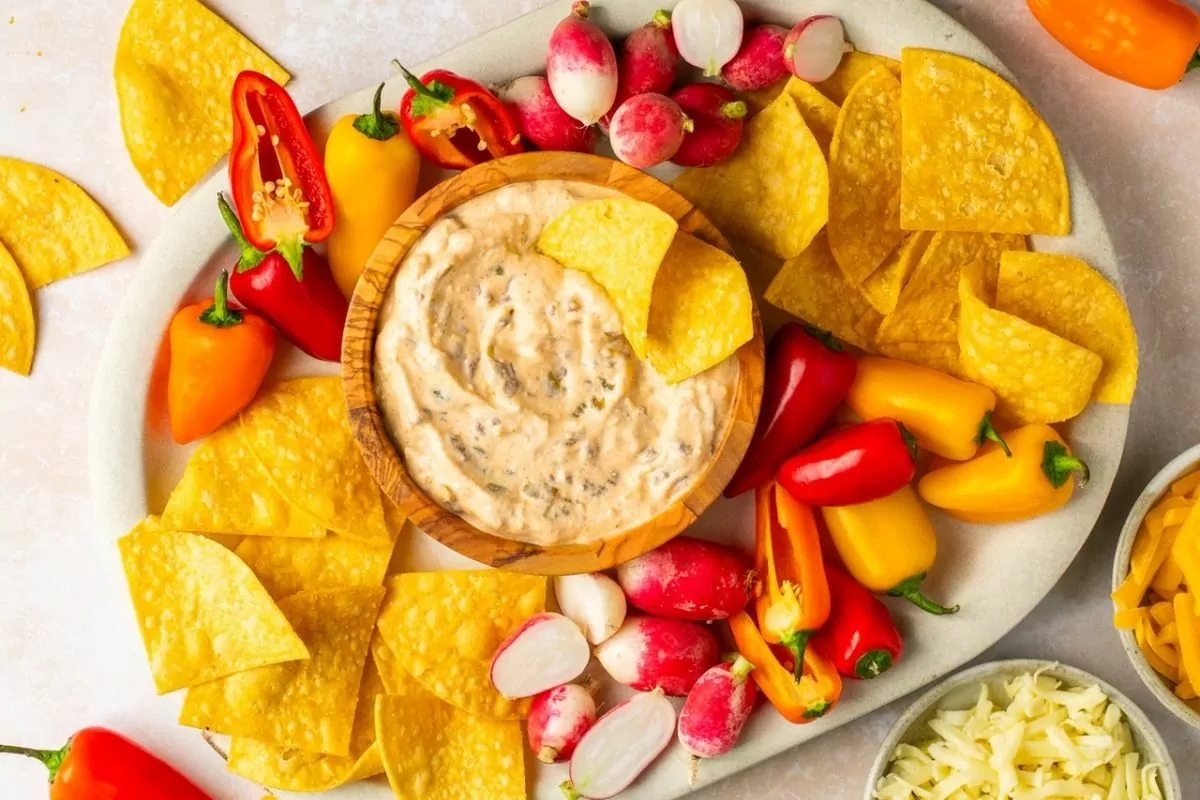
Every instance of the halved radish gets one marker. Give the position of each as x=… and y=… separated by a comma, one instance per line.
x=814, y=48
x=708, y=33
x=541, y=120
x=759, y=61
x=620, y=746
x=647, y=129
x=593, y=601
x=715, y=712
x=655, y=653
x=558, y=719
x=581, y=66
x=546, y=651
x=688, y=578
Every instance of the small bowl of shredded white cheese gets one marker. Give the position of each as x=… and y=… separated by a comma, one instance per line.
x=1023, y=730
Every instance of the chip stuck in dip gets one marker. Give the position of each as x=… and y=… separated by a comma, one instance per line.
x=507, y=383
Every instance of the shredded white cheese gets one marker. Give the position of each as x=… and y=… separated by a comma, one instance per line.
x=1048, y=743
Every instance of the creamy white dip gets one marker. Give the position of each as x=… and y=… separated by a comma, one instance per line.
x=508, y=386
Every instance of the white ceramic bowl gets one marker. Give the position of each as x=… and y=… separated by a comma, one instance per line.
x=1154, y=491
x=961, y=691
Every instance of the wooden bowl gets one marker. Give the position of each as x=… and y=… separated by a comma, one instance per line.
x=381, y=453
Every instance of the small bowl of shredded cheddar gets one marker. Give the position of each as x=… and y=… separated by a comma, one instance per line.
x=1156, y=586
x=1023, y=730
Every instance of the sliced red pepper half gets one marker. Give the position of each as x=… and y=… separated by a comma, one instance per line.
x=275, y=171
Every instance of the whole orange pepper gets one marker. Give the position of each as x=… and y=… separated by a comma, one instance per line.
x=219, y=357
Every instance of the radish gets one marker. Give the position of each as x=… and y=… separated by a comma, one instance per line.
x=715, y=712
x=814, y=48
x=648, y=59
x=620, y=746
x=651, y=652
x=581, y=66
x=708, y=33
x=717, y=119
x=541, y=119
x=647, y=129
x=593, y=601
x=759, y=62
x=558, y=719
x=546, y=651
x=688, y=579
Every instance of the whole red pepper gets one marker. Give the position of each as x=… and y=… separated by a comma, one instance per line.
x=302, y=302
x=807, y=378
x=99, y=764
x=860, y=637
x=853, y=465
x=275, y=172
x=456, y=122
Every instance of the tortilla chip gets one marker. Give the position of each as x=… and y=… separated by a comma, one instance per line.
x=977, y=157
x=773, y=192
x=1037, y=376
x=308, y=705
x=395, y=679
x=432, y=751
x=820, y=113
x=175, y=68
x=299, y=431
x=620, y=242
x=882, y=287
x=300, y=771
x=685, y=336
x=443, y=628
x=759, y=99
x=287, y=566
x=225, y=490
x=927, y=309
x=854, y=67
x=942, y=356
x=52, y=228
x=18, y=331
x=1070, y=299
x=813, y=288
x=202, y=613
x=864, y=177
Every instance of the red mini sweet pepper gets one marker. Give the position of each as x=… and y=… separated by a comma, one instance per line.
x=304, y=304
x=456, y=122
x=808, y=376
x=99, y=764
x=860, y=637
x=853, y=465
x=275, y=172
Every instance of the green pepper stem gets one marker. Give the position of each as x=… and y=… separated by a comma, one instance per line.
x=1058, y=464
x=816, y=710
x=909, y=440
x=250, y=256
x=53, y=759
x=824, y=337
x=418, y=86
x=379, y=125
x=910, y=590
x=988, y=433
x=797, y=642
x=1194, y=63
x=872, y=664
x=219, y=314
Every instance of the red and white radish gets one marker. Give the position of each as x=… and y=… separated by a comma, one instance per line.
x=647, y=129
x=592, y=601
x=648, y=59
x=620, y=746
x=558, y=719
x=688, y=578
x=540, y=118
x=717, y=120
x=708, y=33
x=656, y=653
x=759, y=62
x=546, y=651
x=814, y=48
x=581, y=66
x=715, y=712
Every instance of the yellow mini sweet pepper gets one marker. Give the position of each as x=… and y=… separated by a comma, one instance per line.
x=993, y=487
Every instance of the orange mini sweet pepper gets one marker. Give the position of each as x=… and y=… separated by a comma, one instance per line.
x=800, y=699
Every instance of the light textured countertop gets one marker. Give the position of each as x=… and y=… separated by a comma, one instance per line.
x=58, y=672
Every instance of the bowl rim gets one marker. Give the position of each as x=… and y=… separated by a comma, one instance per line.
x=383, y=456
x=1155, y=490
x=1139, y=723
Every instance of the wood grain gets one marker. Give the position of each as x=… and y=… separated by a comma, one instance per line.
x=381, y=453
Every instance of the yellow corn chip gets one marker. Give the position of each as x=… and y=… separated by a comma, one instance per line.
x=395, y=679
x=820, y=113
x=854, y=67
x=18, y=332
x=942, y=356
x=1037, y=376
x=432, y=751
x=695, y=280
x=977, y=157
x=225, y=490
x=620, y=242
x=287, y=566
x=813, y=288
x=882, y=287
x=773, y=193
x=759, y=99
x=308, y=705
x=444, y=627
x=864, y=177
x=175, y=67
x=1067, y=297
x=300, y=432
x=52, y=228
x=202, y=613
